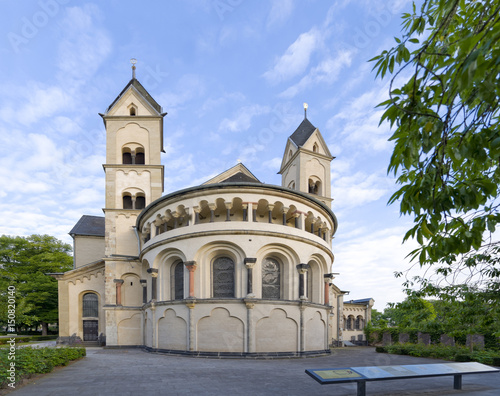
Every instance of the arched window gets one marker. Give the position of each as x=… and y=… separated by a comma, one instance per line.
x=132, y=111
x=139, y=157
x=90, y=305
x=223, y=277
x=127, y=158
x=314, y=187
x=315, y=148
x=350, y=322
x=344, y=321
x=178, y=278
x=271, y=279
x=359, y=323
x=127, y=202
x=140, y=202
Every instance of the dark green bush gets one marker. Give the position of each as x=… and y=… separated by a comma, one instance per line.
x=380, y=349
x=37, y=360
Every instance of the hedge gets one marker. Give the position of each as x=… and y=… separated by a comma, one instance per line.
x=35, y=338
x=31, y=361
x=458, y=354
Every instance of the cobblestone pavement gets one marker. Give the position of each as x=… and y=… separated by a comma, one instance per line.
x=135, y=372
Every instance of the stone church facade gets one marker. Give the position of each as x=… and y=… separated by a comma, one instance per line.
x=233, y=266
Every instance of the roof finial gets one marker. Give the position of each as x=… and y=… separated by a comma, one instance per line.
x=133, y=61
x=305, y=110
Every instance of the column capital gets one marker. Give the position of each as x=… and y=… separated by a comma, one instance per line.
x=143, y=282
x=153, y=272
x=244, y=205
x=212, y=206
x=302, y=268
x=190, y=265
x=196, y=209
x=249, y=262
x=229, y=205
x=118, y=281
x=297, y=214
x=270, y=206
x=285, y=209
x=328, y=277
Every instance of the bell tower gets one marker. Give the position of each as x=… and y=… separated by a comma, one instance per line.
x=306, y=162
x=134, y=174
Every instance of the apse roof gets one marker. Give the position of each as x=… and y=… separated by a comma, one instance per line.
x=89, y=226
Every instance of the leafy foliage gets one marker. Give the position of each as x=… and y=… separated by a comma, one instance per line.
x=444, y=106
x=37, y=360
x=24, y=264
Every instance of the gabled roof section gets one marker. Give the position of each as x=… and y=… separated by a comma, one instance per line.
x=302, y=133
x=237, y=174
x=145, y=94
x=89, y=226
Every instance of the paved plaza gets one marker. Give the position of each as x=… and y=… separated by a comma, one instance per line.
x=127, y=372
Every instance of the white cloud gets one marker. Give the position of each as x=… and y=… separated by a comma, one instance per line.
x=243, y=119
x=296, y=58
x=85, y=45
x=378, y=252
x=359, y=189
x=325, y=73
x=280, y=12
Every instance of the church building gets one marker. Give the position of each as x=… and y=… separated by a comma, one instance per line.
x=233, y=266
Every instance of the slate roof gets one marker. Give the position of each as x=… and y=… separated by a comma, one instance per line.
x=89, y=225
x=302, y=133
x=361, y=301
x=137, y=85
x=240, y=177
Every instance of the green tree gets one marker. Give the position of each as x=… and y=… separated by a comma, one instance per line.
x=24, y=263
x=413, y=312
x=444, y=106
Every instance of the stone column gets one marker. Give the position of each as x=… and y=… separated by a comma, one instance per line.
x=302, y=268
x=176, y=216
x=229, y=205
x=312, y=225
x=196, y=212
x=250, y=347
x=191, y=324
x=327, y=278
x=212, y=208
x=154, y=275
x=153, y=230
x=191, y=266
x=270, y=213
x=144, y=284
x=302, y=333
x=249, y=263
x=254, y=211
x=245, y=211
x=119, y=283
x=296, y=215
x=187, y=216
x=285, y=211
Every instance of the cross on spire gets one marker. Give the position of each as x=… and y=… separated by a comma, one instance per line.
x=133, y=61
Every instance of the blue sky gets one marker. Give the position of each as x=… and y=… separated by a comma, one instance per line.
x=233, y=76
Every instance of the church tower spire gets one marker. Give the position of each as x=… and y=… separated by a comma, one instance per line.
x=306, y=162
x=134, y=174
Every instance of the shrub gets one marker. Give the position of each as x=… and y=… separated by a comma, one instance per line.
x=380, y=349
x=37, y=360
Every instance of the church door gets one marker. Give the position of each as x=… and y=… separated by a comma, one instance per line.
x=90, y=330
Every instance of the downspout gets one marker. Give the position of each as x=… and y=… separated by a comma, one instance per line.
x=338, y=320
x=138, y=241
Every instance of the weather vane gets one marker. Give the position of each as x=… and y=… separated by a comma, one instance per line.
x=133, y=61
x=305, y=110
